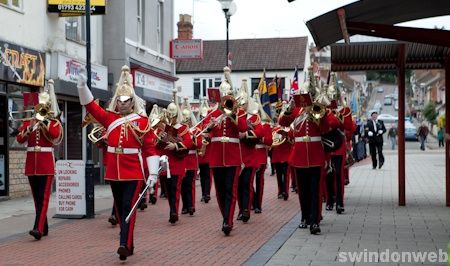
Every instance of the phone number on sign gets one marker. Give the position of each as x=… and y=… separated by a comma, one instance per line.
x=74, y=8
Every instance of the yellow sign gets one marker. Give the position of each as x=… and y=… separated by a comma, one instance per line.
x=76, y=7
x=77, y=2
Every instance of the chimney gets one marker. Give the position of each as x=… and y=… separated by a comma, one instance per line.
x=185, y=27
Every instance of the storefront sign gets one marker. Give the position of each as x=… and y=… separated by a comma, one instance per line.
x=69, y=68
x=150, y=82
x=76, y=7
x=186, y=49
x=22, y=65
x=70, y=188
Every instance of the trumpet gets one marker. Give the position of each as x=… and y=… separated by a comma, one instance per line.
x=228, y=105
x=317, y=111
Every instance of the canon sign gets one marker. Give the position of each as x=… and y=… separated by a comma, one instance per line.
x=186, y=49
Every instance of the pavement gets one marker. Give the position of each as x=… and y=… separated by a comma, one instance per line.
x=373, y=222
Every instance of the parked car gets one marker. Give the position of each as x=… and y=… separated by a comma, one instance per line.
x=388, y=118
x=380, y=89
x=387, y=101
x=377, y=106
x=410, y=132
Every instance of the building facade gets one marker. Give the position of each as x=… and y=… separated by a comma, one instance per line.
x=249, y=58
x=36, y=46
x=138, y=34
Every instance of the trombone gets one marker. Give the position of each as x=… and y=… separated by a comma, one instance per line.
x=41, y=112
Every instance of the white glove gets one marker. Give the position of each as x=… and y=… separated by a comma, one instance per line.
x=380, y=131
x=151, y=182
x=370, y=133
x=84, y=92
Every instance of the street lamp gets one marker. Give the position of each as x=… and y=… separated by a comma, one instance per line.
x=229, y=8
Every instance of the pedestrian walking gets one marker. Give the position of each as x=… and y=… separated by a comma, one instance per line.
x=422, y=133
x=440, y=137
x=374, y=130
x=392, y=135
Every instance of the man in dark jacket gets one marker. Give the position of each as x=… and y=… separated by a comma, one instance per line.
x=374, y=130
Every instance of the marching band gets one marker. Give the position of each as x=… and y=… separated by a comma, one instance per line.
x=309, y=140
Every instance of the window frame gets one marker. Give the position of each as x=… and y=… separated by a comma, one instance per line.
x=204, y=84
x=80, y=29
x=9, y=4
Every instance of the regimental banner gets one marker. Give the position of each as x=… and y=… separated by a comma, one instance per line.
x=76, y=7
x=21, y=65
x=186, y=49
x=70, y=188
x=69, y=68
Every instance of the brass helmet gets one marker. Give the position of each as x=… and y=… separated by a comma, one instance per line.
x=252, y=105
x=332, y=91
x=154, y=116
x=242, y=94
x=226, y=87
x=204, y=108
x=172, y=109
x=186, y=113
x=310, y=86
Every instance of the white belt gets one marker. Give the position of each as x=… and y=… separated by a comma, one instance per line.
x=307, y=139
x=224, y=139
x=192, y=152
x=40, y=149
x=120, y=150
x=260, y=146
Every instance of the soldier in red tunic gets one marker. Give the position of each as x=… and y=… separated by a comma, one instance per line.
x=41, y=133
x=346, y=127
x=203, y=156
x=308, y=123
x=249, y=140
x=175, y=142
x=191, y=162
x=261, y=153
x=130, y=141
x=224, y=125
x=281, y=148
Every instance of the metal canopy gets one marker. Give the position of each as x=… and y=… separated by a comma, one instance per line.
x=327, y=28
x=384, y=55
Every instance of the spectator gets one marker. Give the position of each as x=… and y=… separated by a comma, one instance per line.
x=422, y=132
x=440, y=137
x=392, y=135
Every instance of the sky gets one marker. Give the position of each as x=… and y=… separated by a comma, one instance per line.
x=266, y=18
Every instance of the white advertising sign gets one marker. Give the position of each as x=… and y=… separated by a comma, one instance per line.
x=68, y=69
x=70, y=187
x=150, y=82
x=187, y=49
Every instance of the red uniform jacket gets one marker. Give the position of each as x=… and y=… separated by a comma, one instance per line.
x=347, y=125
x=263, y=146
x=177, y=164
x=249, y=153
x=225, y=144
x=280, y=153
x=123, y=166
x=40, y=162
x=191, y=159
x=307, y=150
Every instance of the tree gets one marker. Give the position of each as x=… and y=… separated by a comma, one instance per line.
x=429, y=112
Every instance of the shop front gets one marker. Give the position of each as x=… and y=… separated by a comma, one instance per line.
x=21, y=70
x=155, y=87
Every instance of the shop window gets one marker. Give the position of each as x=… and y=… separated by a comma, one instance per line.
x=72, y=122
x=75, y=29
x=201, y=86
